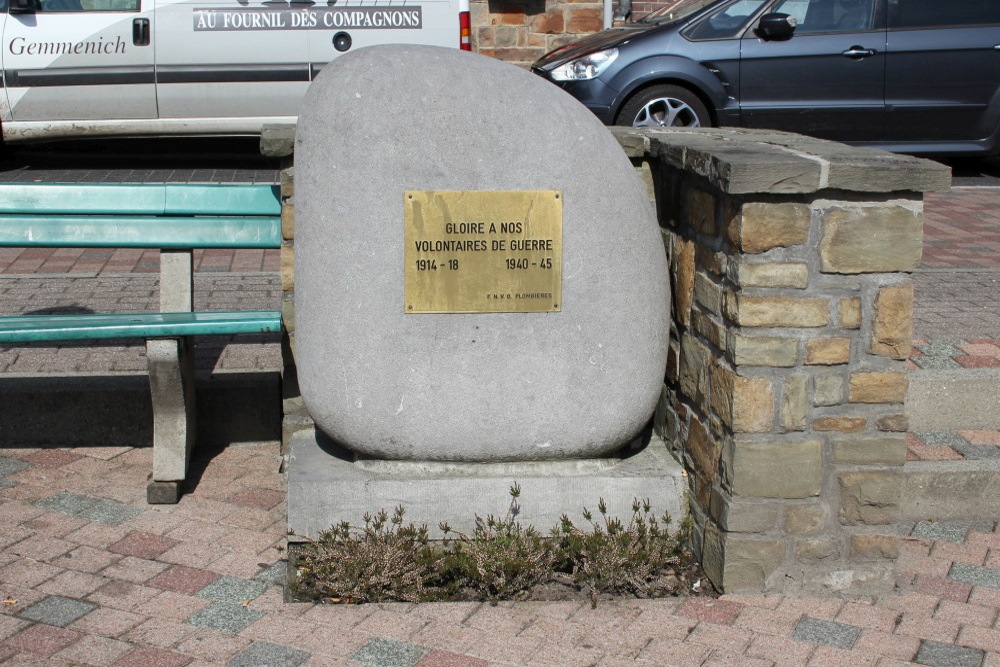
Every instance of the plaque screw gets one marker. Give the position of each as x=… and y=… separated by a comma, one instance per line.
x=409, y=307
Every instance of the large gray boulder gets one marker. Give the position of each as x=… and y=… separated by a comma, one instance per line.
x=578, y=383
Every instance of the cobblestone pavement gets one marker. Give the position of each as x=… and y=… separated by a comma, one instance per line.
x=960, y=229
x=957, y=304
x=93, y=261
x=144, y=160
x=952, y=445
x=91, y=575
x=952, y=353
x=956, y=286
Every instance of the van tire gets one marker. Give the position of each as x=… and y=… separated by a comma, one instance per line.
x=664, y=105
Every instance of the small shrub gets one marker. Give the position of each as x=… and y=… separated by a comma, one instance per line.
x=388, y=561
x=383, y=562
x=500, y=560
x=618, y=559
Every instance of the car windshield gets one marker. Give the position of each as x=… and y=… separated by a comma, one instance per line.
x=675, y=11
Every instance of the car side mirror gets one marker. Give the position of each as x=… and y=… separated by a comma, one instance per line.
x=776, y=26
x=22, y=7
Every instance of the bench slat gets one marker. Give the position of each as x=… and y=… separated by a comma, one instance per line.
x=41, y=328
x=138, y=199
x=140, y=232
x=190, y=199
x=53, y=198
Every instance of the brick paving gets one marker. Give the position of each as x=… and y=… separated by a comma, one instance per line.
x=957, y=283
x=957, y=305
x=93, y=261
x=165, y=160
x=88, y=579
x=953, y=445
x=960, y=229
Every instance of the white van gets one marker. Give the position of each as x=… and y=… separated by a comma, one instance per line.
x=166, y=67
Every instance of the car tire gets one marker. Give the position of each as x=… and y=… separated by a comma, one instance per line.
x=664, y=105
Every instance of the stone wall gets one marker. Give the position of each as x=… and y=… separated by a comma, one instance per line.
x=277, y=141
x=295, y=415
x=792, y=318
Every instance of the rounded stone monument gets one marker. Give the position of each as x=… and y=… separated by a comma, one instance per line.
x=571, y=368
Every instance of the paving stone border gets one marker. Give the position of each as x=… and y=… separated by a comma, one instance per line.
x=89, y=508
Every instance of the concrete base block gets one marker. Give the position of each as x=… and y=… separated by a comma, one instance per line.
x=950, y=490
x=327, y=484
x=944, y=400
x=163, y=493
x=172, y=389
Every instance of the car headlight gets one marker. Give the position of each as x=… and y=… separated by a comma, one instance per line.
x=589, y=66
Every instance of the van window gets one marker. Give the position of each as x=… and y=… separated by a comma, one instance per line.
x=87, y=5
x=819, y=16
x=937, y=14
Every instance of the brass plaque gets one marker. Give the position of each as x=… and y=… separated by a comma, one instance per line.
x=483, y=251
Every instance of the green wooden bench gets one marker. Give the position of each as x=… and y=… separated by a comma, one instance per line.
x=176, y=218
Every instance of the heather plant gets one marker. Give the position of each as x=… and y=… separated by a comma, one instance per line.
x=388, y=560
x=616, y=558
x=383, y=562
x=501, y=560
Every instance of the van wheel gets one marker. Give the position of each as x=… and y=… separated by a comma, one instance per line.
x=664, y=106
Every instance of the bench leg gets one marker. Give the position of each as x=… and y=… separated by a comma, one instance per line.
x=171, y=384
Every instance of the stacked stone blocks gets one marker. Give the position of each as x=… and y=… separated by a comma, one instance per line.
x=295, y=416
x=792, y=318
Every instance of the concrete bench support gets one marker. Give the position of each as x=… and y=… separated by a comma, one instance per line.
x=172, y=389
x=171, y=383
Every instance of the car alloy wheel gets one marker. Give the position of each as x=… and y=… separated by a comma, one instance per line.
x=666, y=112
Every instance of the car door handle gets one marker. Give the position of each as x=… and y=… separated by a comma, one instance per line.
x=140, y=32
x=859, y=52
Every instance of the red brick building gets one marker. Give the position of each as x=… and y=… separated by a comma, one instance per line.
x=520, y=31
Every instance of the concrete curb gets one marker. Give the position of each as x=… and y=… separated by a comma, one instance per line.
x=950, y=490
x=953, y=399
x=115, y=410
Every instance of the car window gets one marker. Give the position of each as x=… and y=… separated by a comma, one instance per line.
x=816, y=16
x=933, y=14
x=86, y=5
x=675, y=11
x=727, y=22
